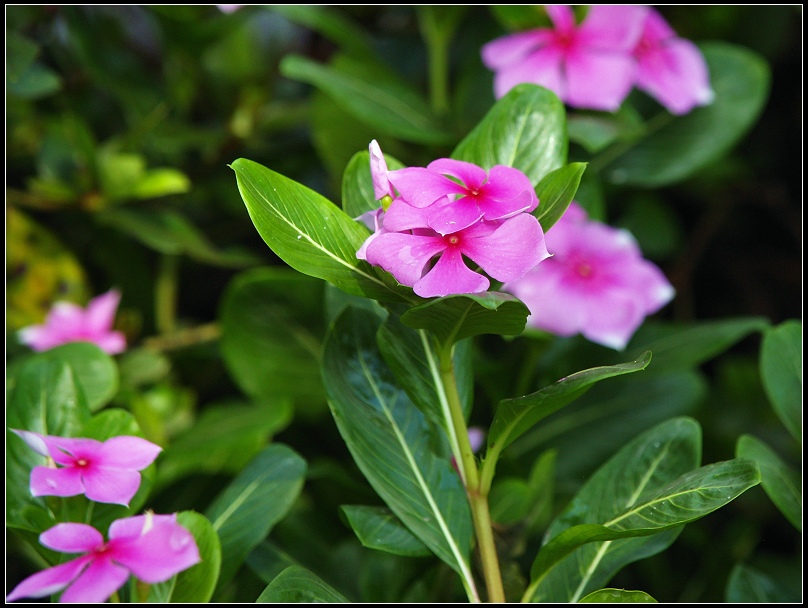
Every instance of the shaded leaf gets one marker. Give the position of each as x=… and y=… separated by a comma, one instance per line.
x=333, y=25
x=617, y=596
x=781, y=373
x=379, y=528
x=750, y=585
x=298, y=585
x=556, y=191
x=96, y=371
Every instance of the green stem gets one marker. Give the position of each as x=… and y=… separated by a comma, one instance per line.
x=478, y=500
x=89, y=514
x=601, y=160
x=165, y=293
x=437, y=46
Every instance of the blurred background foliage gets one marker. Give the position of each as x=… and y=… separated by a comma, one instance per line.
x=120, y=124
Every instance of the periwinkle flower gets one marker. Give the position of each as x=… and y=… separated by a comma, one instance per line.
x=597, y=283
x=588, y=66
x=67, y=322
x=153, y=548
x=103, y=471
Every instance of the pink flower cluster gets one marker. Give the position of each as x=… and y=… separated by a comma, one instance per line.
x=438, y=216
x=597, y=283
x=595, y=64
x=151, y=547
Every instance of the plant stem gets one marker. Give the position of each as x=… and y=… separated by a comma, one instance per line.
x=437, y=46
x=478, y=499
x=165, y=293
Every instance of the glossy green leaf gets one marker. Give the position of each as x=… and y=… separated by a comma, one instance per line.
x=196, y=584
x=272, y=332
x=617, y=596
x=46, y=399
x=514, y=417
x=96, y=371
x=525, y=129
x=389, y=439
x=509, y=501
x=452, y=318
x=379, y=528
x=411, y=357
x=637, y=472
x=372, y=93
x=749, y=585
x=260, y=496
x=781, y=373
x=556, y=191
x=332, y=24
x=596, y=130
x=685, y=144
x=781, y=483
x=308, y=231
x=298, y=585
x=358, y=196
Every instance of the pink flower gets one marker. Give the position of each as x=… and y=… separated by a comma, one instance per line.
x=505, y=250
x=597, y=283
x=671, y=69
x=379, y=173
x=151, y=547
x=66, y=322
x=104, y=472
x=588, y=65
x=473, y=194
x=229, y=8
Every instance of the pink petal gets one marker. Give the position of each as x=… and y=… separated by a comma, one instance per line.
x=111, y=343
x=116, y=486
x=511, y=250
x=455, y=216
x=37, y=337
x=97, y=583
x=613, y=27
x=66, y=450
x=421, y=187
x=47, y=481
x=128, y=452
x=497, y=209
x=544, y=68
x=472, y=176
x=450, y=276
x=132, y=527
x=378, y=171
x=507, y=182
x=404, y=255
x=401, y=216
x=513, y=48
x=72, y=538
x=35, y=441
x=49, y=581
x=100, y=314
x=676, y=75
x=656, y=29
x=162, y=551
x=614, y=321
x=599, y=81
x=562, y=16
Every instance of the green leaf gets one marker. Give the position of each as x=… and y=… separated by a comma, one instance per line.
x=617, y=596
x=389, y=439
x=781, y=373
x=297, y=585
x=46, y=399
x=358, y=195
x=749, y=585
x=525, y=129
x=373, y=94
x=453, y=318
x=685, y=144
x=245, y=512
x=272, y=332
x=647, y=488
x=781, y=483
x=333, y=25
x=556, y=191
x=509, y=501
x=308, y=232
x=514, y=417
x=379, y=528
x=96, y=372
x=196, y=584
x=161, y=182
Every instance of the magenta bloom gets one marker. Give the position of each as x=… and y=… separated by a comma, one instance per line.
x=504, y=250
x=588, y=65
x=379, y=173
x=104, y=472
x=597, y=283
x=66, y=322
x=151, y=547
x=671, y=69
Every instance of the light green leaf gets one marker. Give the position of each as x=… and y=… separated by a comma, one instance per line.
x=390, y=441
x=781, y=483
x=358, y=195
x=685, y=144
x=617, y=596
x=245, y=512
x=161, y=182
x=781, y=373
x=556, y=191
x=96, y=371
x=308, y=231
x=297, y=585
x=526, y=129
x=452, y=318
x=379, y=528
x=373, y=94
x=196, y=584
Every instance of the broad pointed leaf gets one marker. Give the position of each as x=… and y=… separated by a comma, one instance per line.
x=750, y=585
x=379, y=528
x=95, y=371
x=308, y=231
x=298, y=585
x=245, y=512
x=389, y=438
x=526, y=129
x=452, y=318
x=781, y=373
x=617, y=596
x=556, y=191
x=780, y=482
